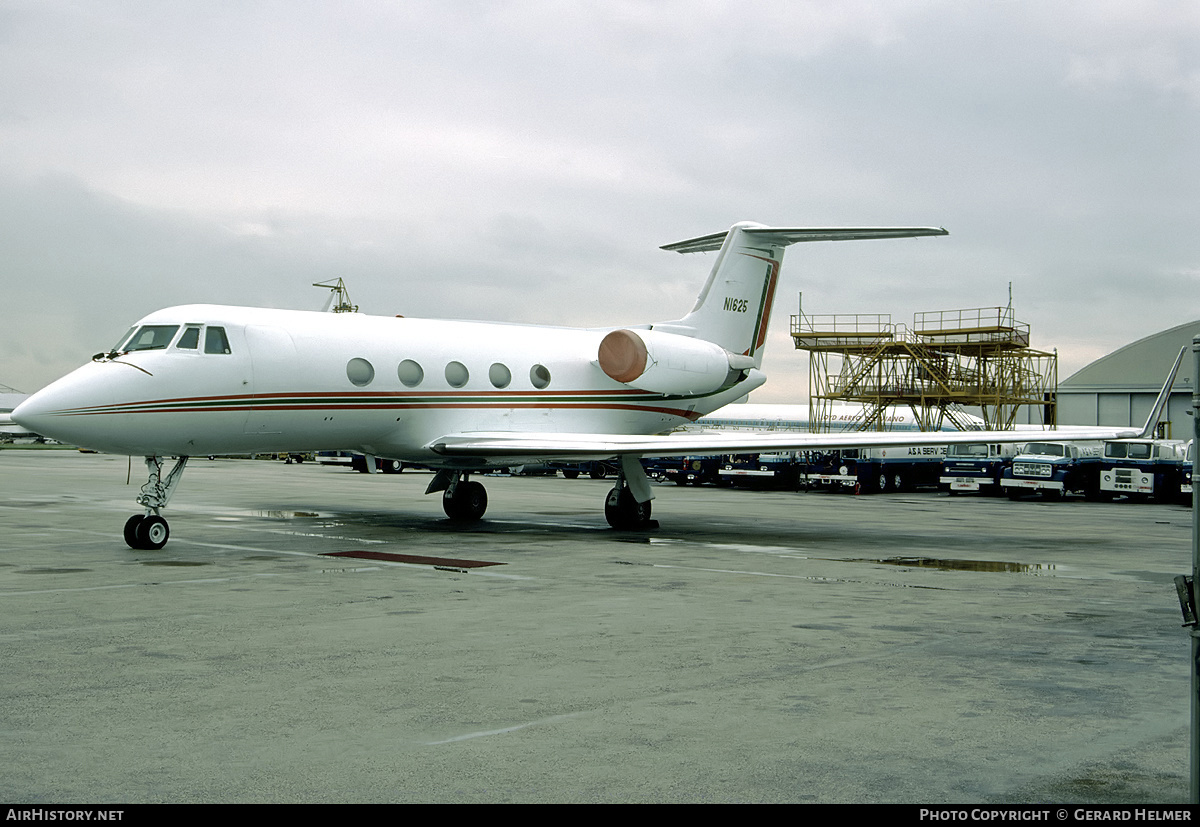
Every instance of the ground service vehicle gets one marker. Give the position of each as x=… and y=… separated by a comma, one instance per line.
x=975, y=467
x=878, y=470
x=687, y=470
x=1054, y=469
x=1142, y=468
x=1185, y=485
x=774, y=470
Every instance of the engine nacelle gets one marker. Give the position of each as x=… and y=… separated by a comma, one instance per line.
x=669, y=363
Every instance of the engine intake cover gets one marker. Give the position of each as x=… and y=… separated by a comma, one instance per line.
x=667, y=362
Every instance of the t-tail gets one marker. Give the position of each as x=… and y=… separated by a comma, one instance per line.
x=717, y=345
x=734, y=308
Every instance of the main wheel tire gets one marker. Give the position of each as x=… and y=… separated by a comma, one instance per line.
x=468, y=503
x=625, y=513
x=131, y=527
x=152, y=533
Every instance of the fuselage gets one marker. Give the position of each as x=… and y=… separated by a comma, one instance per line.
x=209, y=379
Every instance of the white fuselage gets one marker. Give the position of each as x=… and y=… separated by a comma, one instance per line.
x=301, y=381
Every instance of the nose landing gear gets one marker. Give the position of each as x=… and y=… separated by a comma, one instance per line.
x=149, y=531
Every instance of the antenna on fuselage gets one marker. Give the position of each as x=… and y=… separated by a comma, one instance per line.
x=338, y=293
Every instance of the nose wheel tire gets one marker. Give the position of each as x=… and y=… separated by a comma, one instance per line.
x=146, y=533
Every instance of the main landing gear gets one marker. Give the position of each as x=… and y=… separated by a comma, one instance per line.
x=149, y=531
x=463, y=499
x=627, y=506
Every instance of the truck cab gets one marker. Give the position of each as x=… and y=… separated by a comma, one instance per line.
x=1142, y=468
x=1054, y=469
x=975, y=467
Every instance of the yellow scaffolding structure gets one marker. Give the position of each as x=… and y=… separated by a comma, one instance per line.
x=946, y=361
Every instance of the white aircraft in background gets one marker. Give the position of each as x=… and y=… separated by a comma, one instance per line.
x=842, y=417
x=9, y=400
x=456, y=396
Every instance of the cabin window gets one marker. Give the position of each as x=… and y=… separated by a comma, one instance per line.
x=151, y=337
x=457, y=374
x=499, y=375
x=360, y=372
x=410, y=373
x=190, y=340
x=539, y=376
x=215, y=340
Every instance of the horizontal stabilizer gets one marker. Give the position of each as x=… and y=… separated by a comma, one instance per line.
x=783, y=236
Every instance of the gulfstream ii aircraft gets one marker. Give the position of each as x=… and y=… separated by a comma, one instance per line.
x=455, y=396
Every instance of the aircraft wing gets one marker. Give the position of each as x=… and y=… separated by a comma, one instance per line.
x=520, y=447
x=556, y=446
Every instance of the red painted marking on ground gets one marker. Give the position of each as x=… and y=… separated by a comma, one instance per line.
x=413, y=558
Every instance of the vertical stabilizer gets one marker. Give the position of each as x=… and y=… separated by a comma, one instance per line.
x=734, y=308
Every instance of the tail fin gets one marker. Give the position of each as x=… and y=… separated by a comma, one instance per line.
x=734, y=307
x=1164, y=397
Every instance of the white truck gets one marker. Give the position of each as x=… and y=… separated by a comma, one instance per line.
x=1055, y=469
x=1142, y=468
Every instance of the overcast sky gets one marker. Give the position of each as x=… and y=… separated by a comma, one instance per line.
x=523, y=161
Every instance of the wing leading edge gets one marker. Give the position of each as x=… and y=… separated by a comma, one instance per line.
x=551, y=446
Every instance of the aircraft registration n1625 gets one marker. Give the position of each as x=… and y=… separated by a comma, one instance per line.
x=455, y=396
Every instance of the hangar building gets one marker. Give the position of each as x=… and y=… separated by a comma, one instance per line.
x=1120, y=388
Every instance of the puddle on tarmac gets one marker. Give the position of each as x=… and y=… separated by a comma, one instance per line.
x=273, y=515
x=938, y=563
x=50, y=571
x=960, y=565
x=175, y=563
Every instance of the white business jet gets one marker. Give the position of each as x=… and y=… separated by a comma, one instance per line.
x=456, y=396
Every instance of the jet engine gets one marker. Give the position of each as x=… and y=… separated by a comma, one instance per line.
x=669, y=363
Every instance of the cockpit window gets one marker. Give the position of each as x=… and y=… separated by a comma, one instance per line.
x=150, y=337
x=121, y=342
x=215, y=340
x=190, y=340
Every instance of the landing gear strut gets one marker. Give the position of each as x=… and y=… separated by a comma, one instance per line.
x=149, y=531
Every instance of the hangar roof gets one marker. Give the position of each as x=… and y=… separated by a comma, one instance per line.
x=1142, y=365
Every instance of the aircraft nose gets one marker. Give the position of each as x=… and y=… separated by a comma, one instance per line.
x=30, y=414
x=52, y=411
